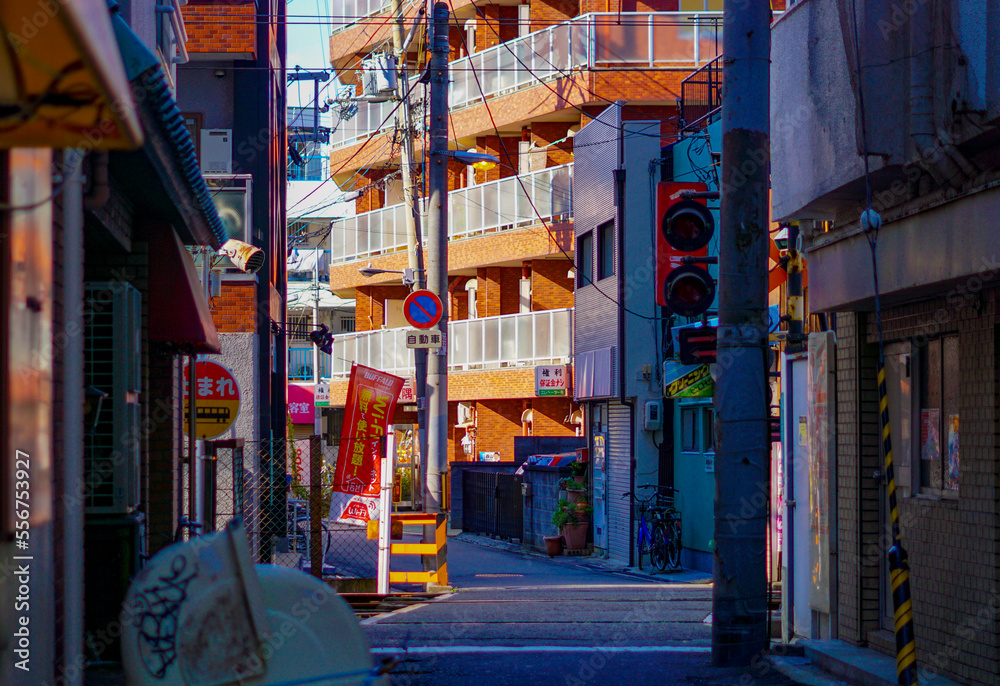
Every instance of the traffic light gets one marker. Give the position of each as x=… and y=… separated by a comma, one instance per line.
x=697, y=345
x=683, y=231
x=322, y=338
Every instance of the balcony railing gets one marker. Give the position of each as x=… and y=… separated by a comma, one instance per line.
x=300, y=364
x=492, y=206
x=347, y=10
x=590, y=41
x=510, y=340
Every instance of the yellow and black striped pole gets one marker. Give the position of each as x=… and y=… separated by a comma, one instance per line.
x=899, y=572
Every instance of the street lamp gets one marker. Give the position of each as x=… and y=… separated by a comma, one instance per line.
x=408, y=274
x=478, y=160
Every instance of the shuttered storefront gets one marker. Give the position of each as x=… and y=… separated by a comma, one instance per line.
x=619, y=481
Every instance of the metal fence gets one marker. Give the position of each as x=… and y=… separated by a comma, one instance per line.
x=282, y=491
x=492, y=504
x=701, y=95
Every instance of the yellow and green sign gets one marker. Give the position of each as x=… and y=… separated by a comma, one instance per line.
x=688, y=382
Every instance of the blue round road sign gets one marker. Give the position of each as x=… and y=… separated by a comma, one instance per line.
x=422, y=309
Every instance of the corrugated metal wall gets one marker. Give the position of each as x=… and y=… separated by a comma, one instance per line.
x=619, y=471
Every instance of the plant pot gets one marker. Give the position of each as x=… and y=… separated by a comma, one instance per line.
x=576, y=535
x=553, y=545
x=579, y=478
x=574, y=494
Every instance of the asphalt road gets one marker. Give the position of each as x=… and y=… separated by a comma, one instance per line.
x=521, y=619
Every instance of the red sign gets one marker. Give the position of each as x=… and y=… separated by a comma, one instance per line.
x=300, y=404
x=422, y=309
x=217, y=399
x=371, y=401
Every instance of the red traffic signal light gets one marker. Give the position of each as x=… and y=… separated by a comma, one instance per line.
x=684, y=228
x=697, y=345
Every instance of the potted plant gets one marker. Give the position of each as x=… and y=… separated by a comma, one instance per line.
x=574, y=489
x=573, y=521
x=579, y=471
x=553, y=545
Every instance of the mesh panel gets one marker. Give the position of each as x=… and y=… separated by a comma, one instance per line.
x=269, y=485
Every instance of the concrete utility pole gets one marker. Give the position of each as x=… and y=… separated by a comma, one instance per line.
x=415, y=248
x=437, y=259
x=742, y=457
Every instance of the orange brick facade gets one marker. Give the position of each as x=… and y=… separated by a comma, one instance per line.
x=233, y=311
x=220, y=27
x=551, y=287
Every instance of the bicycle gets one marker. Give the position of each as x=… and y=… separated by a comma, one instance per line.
x=300, y=526
x=660, y=538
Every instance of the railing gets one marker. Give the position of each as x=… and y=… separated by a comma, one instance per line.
x=492, y=206
x=590, y=41
x=510, y=340
x=701, y=95
x=300, y=364
x=346, y=10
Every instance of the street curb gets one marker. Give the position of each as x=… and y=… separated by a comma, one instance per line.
x=580, y=561
x=801, y=670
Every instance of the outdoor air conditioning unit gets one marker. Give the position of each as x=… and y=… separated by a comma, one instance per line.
x=466, y=418
x=217, y=151
x=379, y=75
x=112, y=312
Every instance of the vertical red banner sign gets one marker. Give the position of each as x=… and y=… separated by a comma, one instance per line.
x=371, y=401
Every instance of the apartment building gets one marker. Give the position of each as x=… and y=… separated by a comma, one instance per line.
x=524, y=79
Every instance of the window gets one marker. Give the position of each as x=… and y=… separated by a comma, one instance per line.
x=347, y=324
x=939, y=416
x=606, y=250
x=585, y=259
x=708, y=429
x=689, y=429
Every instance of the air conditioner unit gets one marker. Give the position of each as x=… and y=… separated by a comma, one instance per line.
x=217, y=151
x=112, y=340
x=379, y=75
x=466, y=418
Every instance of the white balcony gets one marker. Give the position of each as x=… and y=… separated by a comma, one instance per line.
x=590, y=41
x=492, y=206
x=510, y=340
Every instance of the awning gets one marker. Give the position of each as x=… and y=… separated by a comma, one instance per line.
x=178, y=310
x=168, y=156
x=60, y=87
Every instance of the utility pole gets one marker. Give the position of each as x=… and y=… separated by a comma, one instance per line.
x=414, y=245
x=437, y=260
x=739, y=595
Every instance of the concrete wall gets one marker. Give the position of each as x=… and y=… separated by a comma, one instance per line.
x=239, y=355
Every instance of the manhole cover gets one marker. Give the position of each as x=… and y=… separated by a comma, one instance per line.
x=494, y=576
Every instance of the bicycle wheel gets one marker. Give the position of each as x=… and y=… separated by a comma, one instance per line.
x=642, y=544
x=658, y=548
x=673, y=549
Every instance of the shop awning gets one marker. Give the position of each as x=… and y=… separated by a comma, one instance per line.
x=163, y=178
x=178, y=309
x=60, y=87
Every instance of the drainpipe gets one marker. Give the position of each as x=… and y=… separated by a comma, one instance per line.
x=620, y=206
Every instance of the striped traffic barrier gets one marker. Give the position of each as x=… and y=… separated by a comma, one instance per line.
x=899, y=571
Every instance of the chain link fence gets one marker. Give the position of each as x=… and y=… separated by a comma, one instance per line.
x=282, y=489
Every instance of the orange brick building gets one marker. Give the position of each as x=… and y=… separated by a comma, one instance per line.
x=524, y=79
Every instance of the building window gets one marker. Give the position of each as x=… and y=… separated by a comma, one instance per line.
x=585, y=259
x=606, y=250
x=708, y=429
x=689, y=429
x=346, y=324
x=939, y=416
x=301, y=325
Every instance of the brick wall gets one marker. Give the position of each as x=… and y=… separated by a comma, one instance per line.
x=496, y=24
x=504, y=149
x=369, y=308
x=220, y=27
x=544, y=133
x=548, y=12
x=551, y=289
x=497, y=422
x=459, y=298
x=498, y=291
x=234, y=311
x=373, y=198
x=952, y=543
